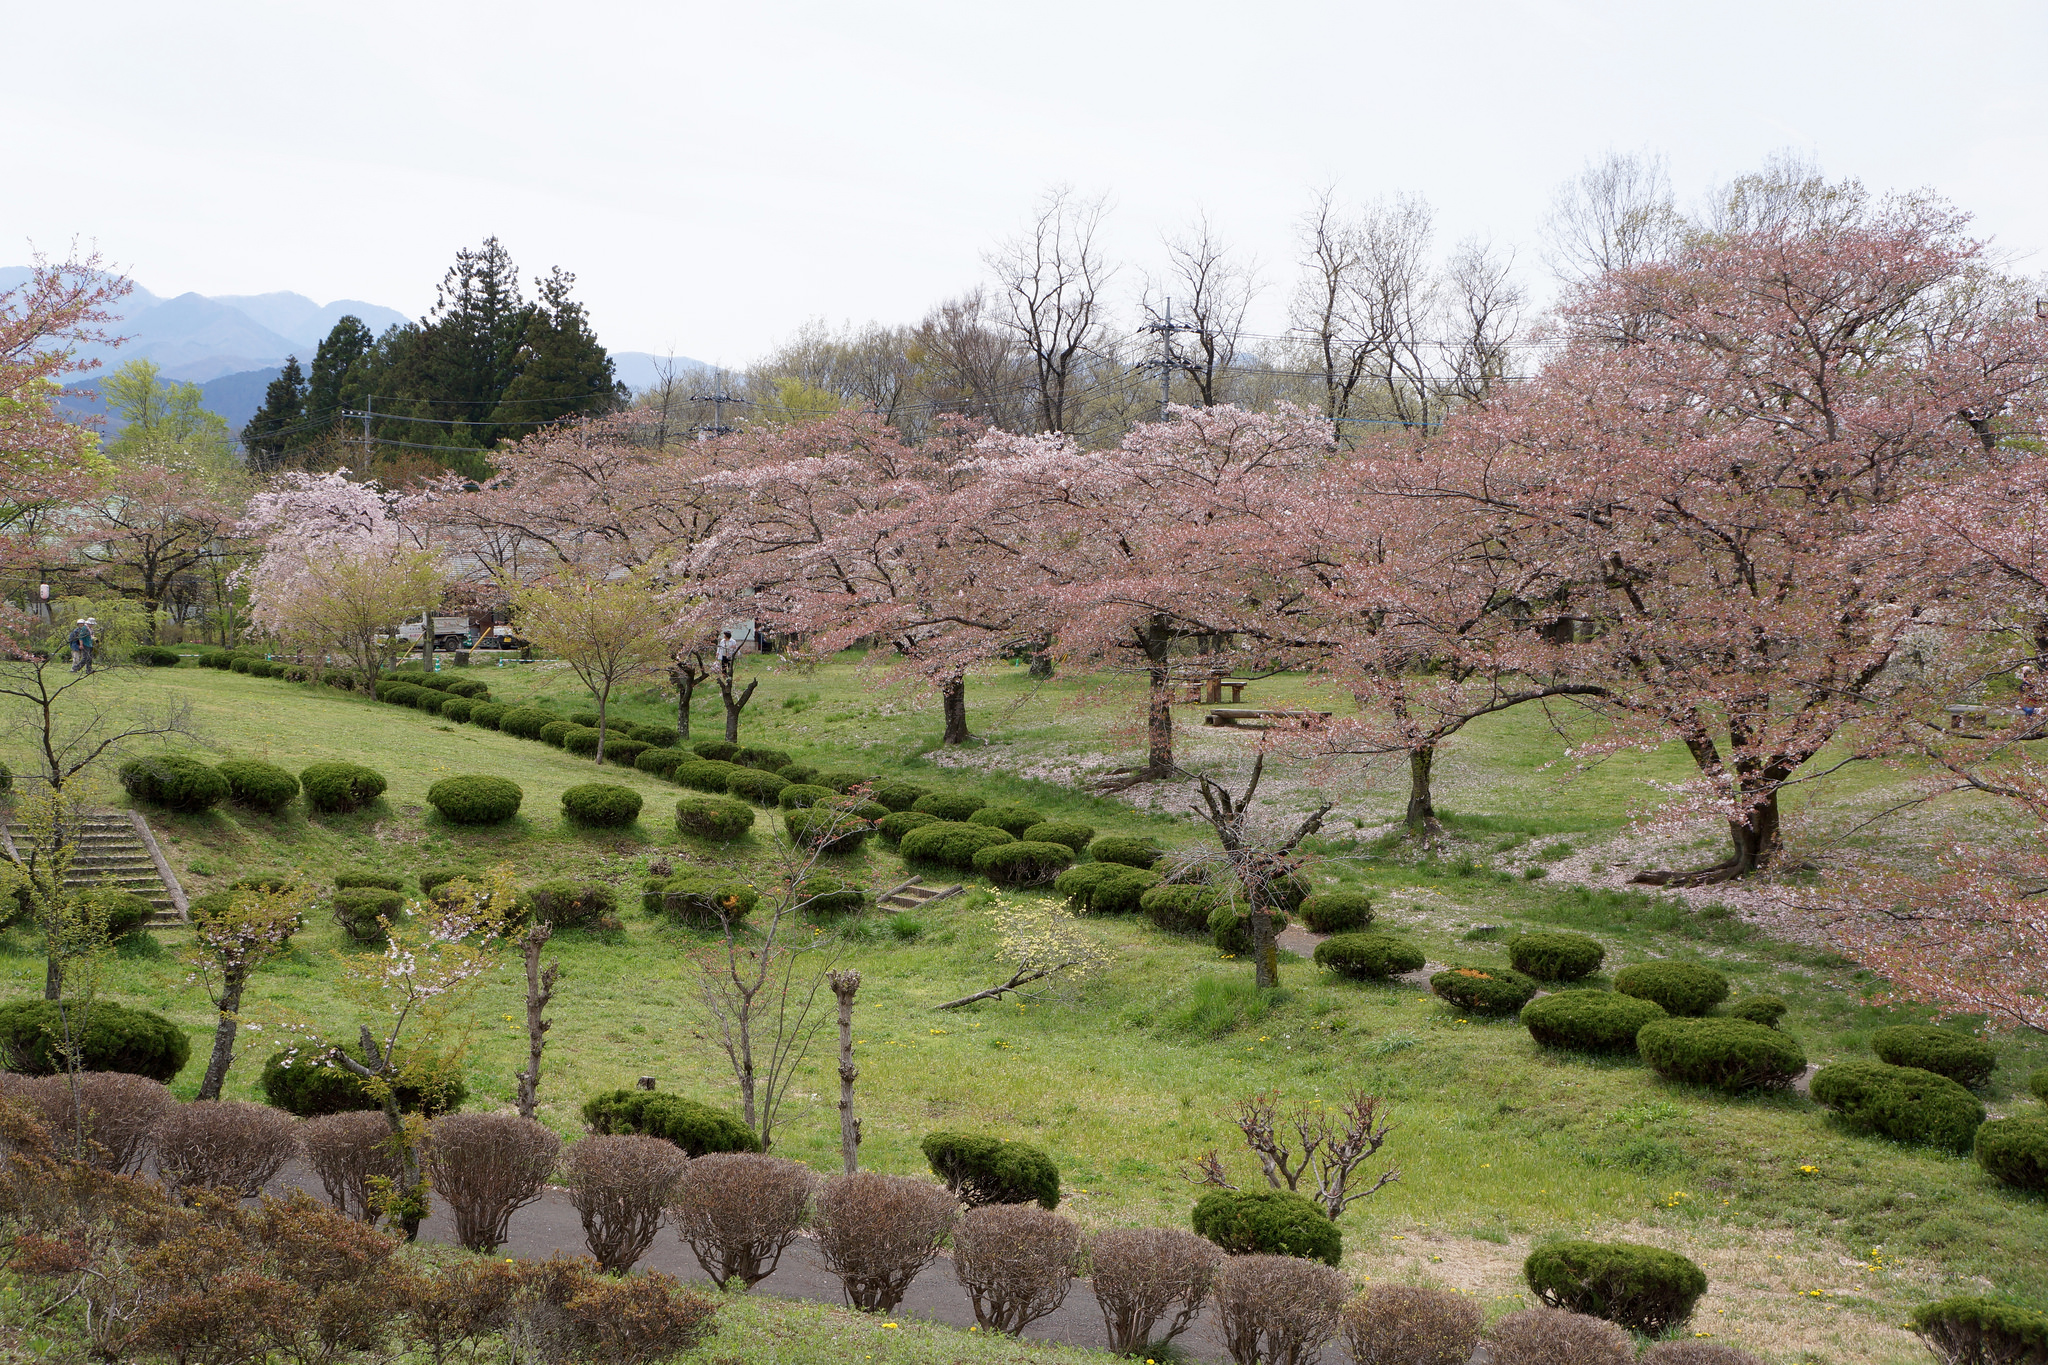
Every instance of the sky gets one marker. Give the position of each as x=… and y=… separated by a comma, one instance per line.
x=718, y=175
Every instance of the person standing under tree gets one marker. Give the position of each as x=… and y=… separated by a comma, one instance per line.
x=728, y=651
x=82, y=644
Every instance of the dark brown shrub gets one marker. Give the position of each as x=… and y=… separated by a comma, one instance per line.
x=224, y=1144
x=738, y=1211
x=114, y=1115
x=639, y=1319
x=876, y=1232
x=1395, y=1324
x=620, y=1185
x=1278, y=1310
x=488, y=1167
x=347, y=1151
x=445, y=1311
x=1551, y=1336
x=1016, y=1262
x=1695, y=1353
x=1140, y=1273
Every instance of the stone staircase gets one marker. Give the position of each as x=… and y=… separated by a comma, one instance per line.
x=912, y=894
x=117, y=848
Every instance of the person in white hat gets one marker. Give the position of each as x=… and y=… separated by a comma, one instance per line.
x=82, y=644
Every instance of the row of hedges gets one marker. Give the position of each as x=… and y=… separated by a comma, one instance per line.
x=182, y=783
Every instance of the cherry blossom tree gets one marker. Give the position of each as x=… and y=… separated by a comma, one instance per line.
x=146, y=525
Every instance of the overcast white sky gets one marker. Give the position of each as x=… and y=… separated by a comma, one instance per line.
x=717, y=174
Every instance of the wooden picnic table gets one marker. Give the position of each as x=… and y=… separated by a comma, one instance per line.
x=1209, y=688
x=1262, y=718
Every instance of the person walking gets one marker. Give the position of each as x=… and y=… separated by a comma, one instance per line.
x=728, y=650
x=82, y=644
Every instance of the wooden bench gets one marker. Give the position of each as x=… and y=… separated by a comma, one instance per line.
x=1209, y=688
x=1263, y=718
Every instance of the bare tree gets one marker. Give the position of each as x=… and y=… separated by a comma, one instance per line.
x=1482, y=309
x=845, y=985
x=1319, y=313
x=1334, y=1144
x=972, y=363
x=1258, y=865
x=1054, y=275
x=1615, y=213
x=74, y=719
x=1392, y=303
x=1204, y=293
x=540, y=990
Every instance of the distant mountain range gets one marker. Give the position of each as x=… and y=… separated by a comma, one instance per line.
x=233, y=345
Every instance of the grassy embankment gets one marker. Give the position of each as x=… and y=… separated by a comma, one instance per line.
x=1816, y=1239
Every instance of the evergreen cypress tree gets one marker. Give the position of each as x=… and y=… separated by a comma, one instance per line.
x=344, y=346
x=273, y=429
x=562, y=368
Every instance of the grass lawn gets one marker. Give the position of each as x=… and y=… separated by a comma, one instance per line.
x=1817, y=1240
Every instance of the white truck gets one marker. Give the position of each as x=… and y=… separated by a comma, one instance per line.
x=450, y=632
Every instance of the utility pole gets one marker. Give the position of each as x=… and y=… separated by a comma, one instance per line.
x=717, y=401
x=1165, y=328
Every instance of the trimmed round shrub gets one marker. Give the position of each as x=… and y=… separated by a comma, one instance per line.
x=556, y=732
x=1589, y=1020
x=601, y=805
x=718, y=818
x=1180, y=909
x=1556, y=957
x=1075, y=835
x=949, y=843
x=798, y=795
x=488, y=714
x=1337, y=912
x=1965, y=1060
x=622, y=751
x=475, y=799
x=1903, y=1103
x=470, y=689
x=755, y=784
x=457, y=709
x=1022, y=862
x=656, y=736
x=525, y=721
x=823, y=894
x=239, y=663
x=1977, y=1331
x=431, y=701
x=1268, y=1223
x=898, y=823
x=696, y=896
x=718, y=750
x=340, y=787
x=1727, y=1054
x=951, y=806
x=660, y=762
x=826, y=829
x=174, y=782
x=2038, y=1085
x=1758, y=1009
x=259, y=786
x=697, y=1128
x=115, y=1038
x=1484, y=990
x=984, y=1170
x=581, y=740
x=1682, y=988
x=382, y=881
x=1645, y=1289
x=399, y=693
x=802, y=773
x=1369, y=957
x=2015, y=1152
x=1011, y=820
x=125, y=912
x=567, y=904
x=1105, y=888
x=900, y=795
x=843, y=780
x=357, y=910
x=302, y=1085
x=155, y=656
x=1230, y=927
x=704, y=775
x=761, y=757
x=1122, y=848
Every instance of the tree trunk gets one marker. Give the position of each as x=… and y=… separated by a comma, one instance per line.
x=1159, y=724
x=53, y=978
x=844, y=985
x=686, y=687
x=734, y=704
x=1421, y=815
x=223, y=1040
x=603, y=697
x=1265, y=948
x=953, y=699
x=1754, y=843
x=540, y=989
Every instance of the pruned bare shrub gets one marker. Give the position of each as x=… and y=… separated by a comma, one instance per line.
x=738, y=1211
x=1398, y=1324
x=876, y=1232
x=224, y=1144
x=1141, y=1273
x=638, y=1319
x=109, y=1119
x=348, y=1151
x=488, y=1167
x=1016, y=1262
x=620, y=1186
x=1551, y=1336
x=1277, y=1310
x=1695, y=1353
